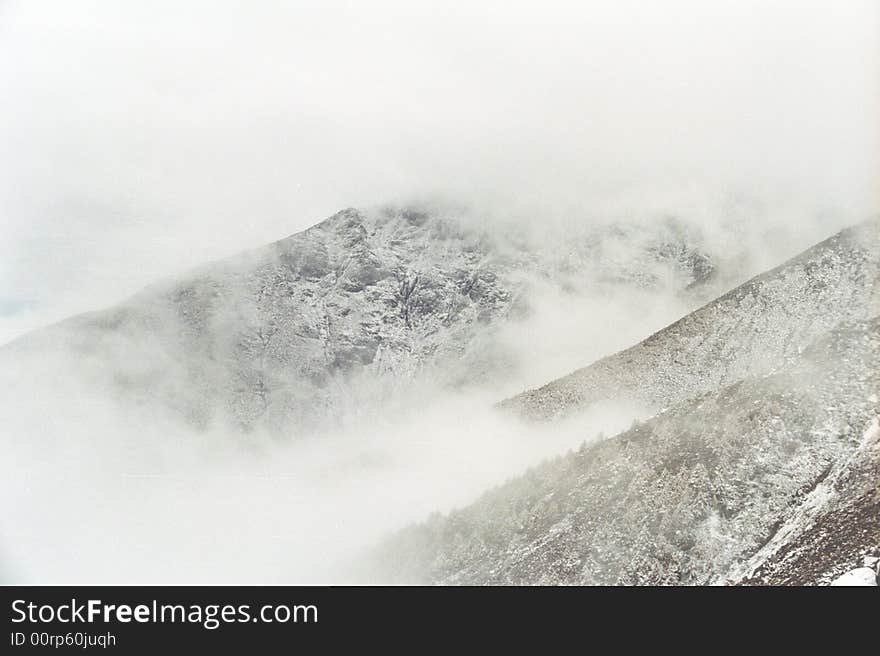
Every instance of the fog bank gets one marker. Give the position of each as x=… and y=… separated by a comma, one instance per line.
x=142, y=138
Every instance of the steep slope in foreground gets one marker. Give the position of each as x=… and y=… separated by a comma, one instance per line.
x=836, y=529
x=751, y=330
x=757, y=470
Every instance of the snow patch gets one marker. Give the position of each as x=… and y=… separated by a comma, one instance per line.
x=861, y=576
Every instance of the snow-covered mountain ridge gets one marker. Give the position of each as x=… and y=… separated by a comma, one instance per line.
x=355, y=312
x=762, y=465
x=751, y=330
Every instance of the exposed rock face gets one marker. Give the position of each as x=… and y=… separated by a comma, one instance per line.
x=283, y=337
x=769, y=436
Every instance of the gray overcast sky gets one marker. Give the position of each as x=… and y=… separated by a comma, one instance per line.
x=141, y=138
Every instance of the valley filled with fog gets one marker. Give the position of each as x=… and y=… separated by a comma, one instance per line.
x=287, y=290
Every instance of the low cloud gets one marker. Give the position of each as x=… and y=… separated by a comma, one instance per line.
x=140, y=139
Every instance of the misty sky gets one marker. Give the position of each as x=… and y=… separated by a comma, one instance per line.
x=139, y=138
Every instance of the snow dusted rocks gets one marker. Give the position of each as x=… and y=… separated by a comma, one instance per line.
x=349, y=315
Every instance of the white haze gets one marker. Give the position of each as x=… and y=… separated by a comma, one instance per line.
x=98, y=493
x=139, y=139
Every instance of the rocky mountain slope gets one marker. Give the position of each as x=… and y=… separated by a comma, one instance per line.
x=834, y=531
x=339, y=318
x=751, y=330
x=760, y=466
